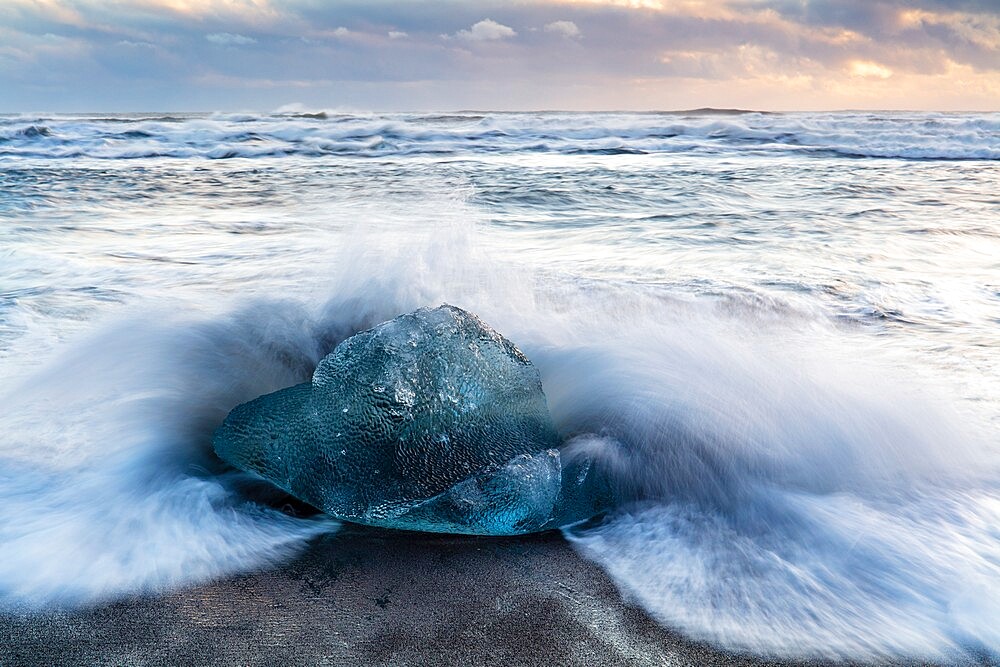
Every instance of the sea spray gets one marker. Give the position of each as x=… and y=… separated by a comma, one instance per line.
x=107, y=482
x=782, y=507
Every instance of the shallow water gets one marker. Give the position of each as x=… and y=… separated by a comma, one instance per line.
x=779, y=331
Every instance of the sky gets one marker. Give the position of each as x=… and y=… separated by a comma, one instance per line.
x=263, y=55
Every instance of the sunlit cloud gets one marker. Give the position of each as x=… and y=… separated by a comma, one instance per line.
x=628, y=4
x=579, y=54
x=869, y=69
x=249, y=11
x=486, y=30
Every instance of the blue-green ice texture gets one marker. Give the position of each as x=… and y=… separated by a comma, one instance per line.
x=431, y=421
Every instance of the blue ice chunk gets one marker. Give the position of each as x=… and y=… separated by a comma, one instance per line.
x=431, y=421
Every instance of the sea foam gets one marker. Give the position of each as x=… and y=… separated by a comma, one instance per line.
x=225, y=136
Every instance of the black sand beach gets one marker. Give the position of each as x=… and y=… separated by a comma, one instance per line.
x=367, y=597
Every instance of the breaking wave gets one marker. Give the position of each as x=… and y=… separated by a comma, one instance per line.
x=315, y=134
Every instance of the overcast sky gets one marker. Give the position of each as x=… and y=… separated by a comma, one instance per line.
x=163, y=55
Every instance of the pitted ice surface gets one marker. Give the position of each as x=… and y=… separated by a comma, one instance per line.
x=430, y=421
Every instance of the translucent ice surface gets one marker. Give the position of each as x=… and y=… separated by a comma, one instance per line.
x=431, y=421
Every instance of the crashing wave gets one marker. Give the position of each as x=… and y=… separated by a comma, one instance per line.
x=306, y=134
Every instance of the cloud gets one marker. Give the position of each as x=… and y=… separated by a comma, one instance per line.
x=868, y=69
x=486, y=30
x=774, y=54
x=217, y=80
x=564, y=28
x=229, y=39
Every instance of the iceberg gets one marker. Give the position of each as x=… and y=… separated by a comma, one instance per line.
x=431, y=421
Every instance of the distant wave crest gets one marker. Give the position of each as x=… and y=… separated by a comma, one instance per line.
x=226, y=136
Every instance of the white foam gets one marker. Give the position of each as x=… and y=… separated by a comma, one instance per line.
x=105, y=466
x=900, y=135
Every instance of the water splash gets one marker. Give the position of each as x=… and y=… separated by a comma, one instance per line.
x=784, y=505
x=108, y=484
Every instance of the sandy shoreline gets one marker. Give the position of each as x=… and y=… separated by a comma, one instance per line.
x=370, y=597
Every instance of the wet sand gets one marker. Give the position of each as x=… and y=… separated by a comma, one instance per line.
x=368, y=597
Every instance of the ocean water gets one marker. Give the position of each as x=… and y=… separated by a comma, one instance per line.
x=778, y=332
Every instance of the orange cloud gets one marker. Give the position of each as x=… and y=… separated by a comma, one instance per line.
x=867, y=68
